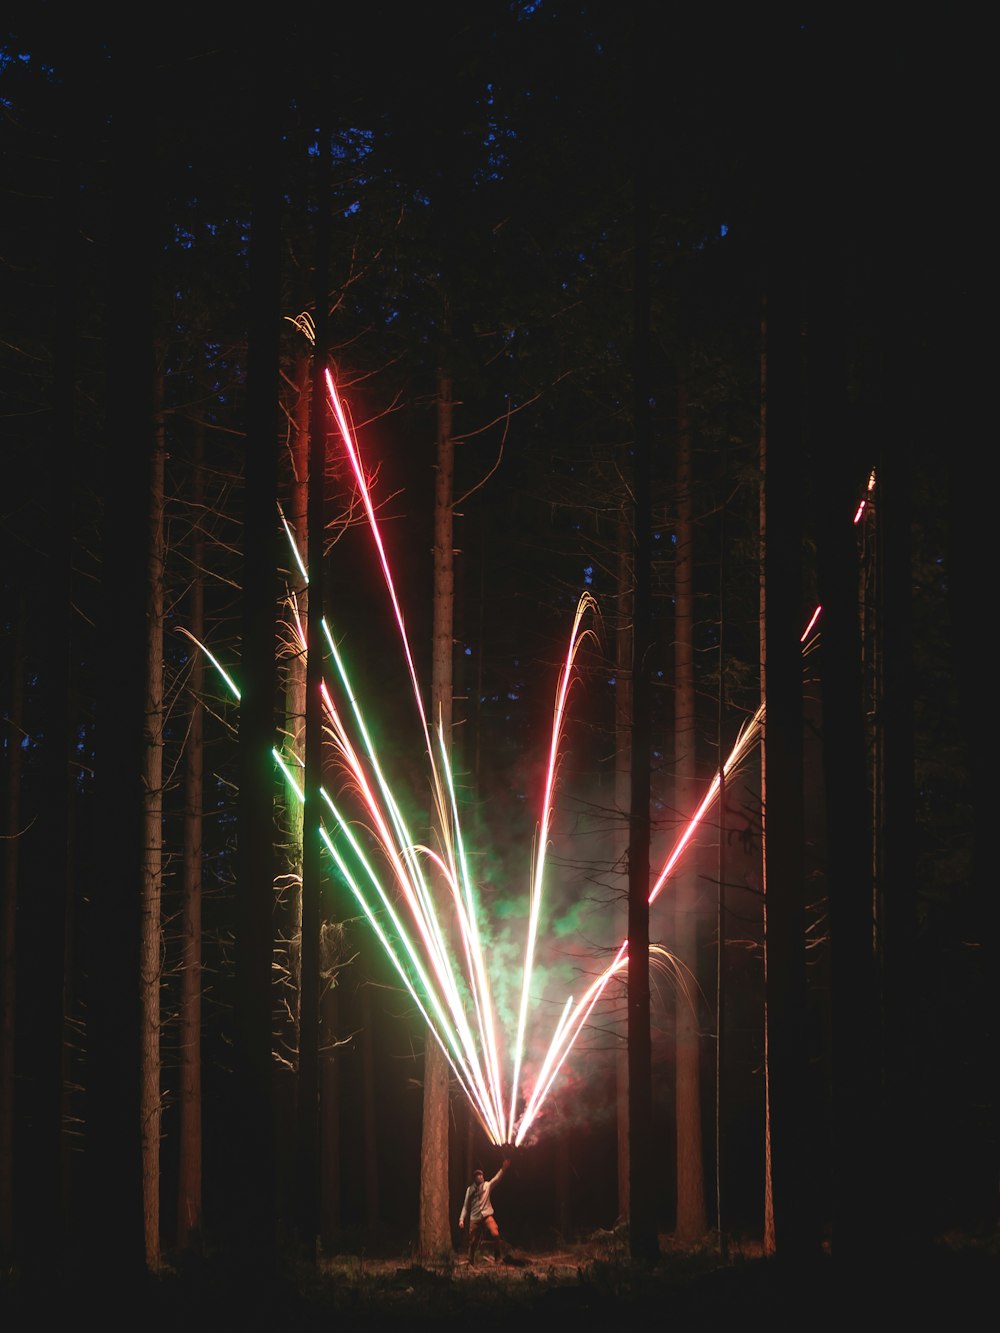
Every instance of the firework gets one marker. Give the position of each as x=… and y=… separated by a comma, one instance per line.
x=420, y=901
x=435, y=896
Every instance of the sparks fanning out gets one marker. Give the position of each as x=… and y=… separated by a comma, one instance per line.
x=420, y=899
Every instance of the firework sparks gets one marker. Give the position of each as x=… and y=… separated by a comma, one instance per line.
x=419, y=900
x=541, y=846
x=576, y=1014
x=446, y=992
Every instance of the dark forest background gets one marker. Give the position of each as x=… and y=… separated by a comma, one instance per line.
x=795, y=201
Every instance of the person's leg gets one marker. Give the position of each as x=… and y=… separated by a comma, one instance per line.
x=494, y=1230
x=473, y=1240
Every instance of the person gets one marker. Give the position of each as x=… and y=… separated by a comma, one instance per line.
x=477, y=1210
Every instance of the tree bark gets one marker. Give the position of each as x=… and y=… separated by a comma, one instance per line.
x=435, y=1223
x=856, y=1150
x=151, y=945
x=768, y=1199
x=643, y=1237
x=789, y=1109
x=370, y=1101
x=295, y=694
x=623, y=771
x=189, y=1179
x=691, y=1221
x=308, y=1092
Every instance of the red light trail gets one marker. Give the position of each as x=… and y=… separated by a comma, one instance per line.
x=418, y=899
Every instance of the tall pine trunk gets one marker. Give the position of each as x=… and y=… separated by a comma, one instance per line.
x=768, y=1197
x=295, y=695
x=691, y=1222
x=789, y=1111
x=151, y=944
x=643, y=1237
x=435, y=1225
x=307, y=1184
x=369, y=1093
x=623, y=770
x=841, y=472
x=906, y=1093
x=291, y=813
x=189, y=1179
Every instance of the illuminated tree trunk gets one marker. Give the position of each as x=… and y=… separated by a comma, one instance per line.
x=691, y=1222
x=189, y=1180
x=762, y=605
x=295, y=700
x=331, y=934
x=151, y=944
x=288, y=897
x=331, y=958
x=790, y=1112
x=623, y=768
x=435, y=1223
x=643, y=1236
x=308, y=1171
x=370, y=1098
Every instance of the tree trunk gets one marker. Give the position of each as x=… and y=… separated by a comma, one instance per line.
x=691, y=1222
x=762, y=606
x=151, y=945
x=370, y=1123
x=435, y=1224
x=330, y=1202
x=906, y=1121
x=840, y=470
x=295, y=695
x=623, y=769
x=643, y=1238
x=189, y=1183
x=308, y=1171
x=288, y=904
x=790, y=1118
x=564, y=1184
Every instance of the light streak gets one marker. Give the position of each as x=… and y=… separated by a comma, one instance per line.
x=574, y=1021
x=812, y=621
x=863, y=504
x=428, y=963
x=420, y=900
x=541, y=845
x=215, y=662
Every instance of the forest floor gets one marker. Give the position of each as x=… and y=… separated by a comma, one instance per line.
x=595, y=1286
x=951, y=1284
